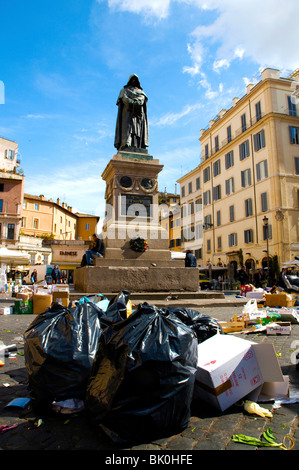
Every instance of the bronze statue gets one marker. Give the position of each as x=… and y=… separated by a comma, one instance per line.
x=131, y=125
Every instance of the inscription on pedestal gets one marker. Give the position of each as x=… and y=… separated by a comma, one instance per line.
x=134, y=205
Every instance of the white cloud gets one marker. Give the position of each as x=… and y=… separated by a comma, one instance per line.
x=148, y=8
x=219, y=64
x=265, y=32
x=171, y=118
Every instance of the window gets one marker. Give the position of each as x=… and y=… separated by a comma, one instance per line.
x=248, y=236
x=294, y=135
x=198, y=204
x=207, y=198
x=231, y=213
x=244, y=150
x=191, y=208
x=1, y=205
x=1, y=187
x=292, y=106
x=24, y=204
x=297, y=165
x=218, y=218
x=262, y=170
x=23, y=222
x=208, y=246
x=229, y=133
x=258, y=111
x=264, y=201
x=246, y=178
x=86, y=226
x=259, y=140
x=198, y=231
x=219, y=243
x=232, y=239
x=216, y=143
x=35, y=223
x=229, y=186
x=206, y=174
x=208, y=222
x=36, y=206
x=217, y=192
x=216, y=168
x=197, y=183
x=206, y=151
x=10, y=154
x=183, y=191
x=10, y=231
x=190, y=187
x=229, y=159
x=61, y=219
x=248, y=207
x=243, y=122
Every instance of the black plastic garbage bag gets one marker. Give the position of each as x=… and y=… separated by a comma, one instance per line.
x=142, y=381
x=60, y=346
x=117, y=308
x=203, y=326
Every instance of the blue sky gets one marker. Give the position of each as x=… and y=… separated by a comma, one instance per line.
x=64, y=62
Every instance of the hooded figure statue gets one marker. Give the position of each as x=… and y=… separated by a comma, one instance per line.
x=131, y=125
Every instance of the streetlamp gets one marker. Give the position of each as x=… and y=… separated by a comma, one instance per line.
x=266, y=221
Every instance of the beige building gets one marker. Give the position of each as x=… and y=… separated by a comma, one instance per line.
x=46, y=218
x=11, y=193
x=170, y=218
x=249, y=170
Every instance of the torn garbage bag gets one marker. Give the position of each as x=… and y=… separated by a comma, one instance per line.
x=142, y=380
x=59, y=347
x=203, y=325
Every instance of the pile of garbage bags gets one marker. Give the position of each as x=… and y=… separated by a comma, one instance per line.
x=133, y=372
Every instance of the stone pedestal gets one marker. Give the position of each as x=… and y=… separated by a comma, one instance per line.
x=133, y=210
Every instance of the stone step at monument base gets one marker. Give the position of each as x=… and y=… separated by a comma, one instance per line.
x=160, y=262
x=100, y=279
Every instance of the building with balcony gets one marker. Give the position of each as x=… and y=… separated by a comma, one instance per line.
x=11, y=193
x=249, y=175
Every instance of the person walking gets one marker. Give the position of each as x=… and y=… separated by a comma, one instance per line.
x=56, y=275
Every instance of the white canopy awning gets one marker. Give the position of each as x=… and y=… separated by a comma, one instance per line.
x=294, y=262
x=13, y=257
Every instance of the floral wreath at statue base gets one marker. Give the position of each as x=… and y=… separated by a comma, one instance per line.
x=138, y=244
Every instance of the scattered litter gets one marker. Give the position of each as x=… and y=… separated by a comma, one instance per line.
x=268, y=442
x=5, y=428
x=69, y=406
x=19, y=402
x=253, y=408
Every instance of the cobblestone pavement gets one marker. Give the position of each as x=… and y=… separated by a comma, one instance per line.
x=208, y=429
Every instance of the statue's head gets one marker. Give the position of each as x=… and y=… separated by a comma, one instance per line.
x=134, y=81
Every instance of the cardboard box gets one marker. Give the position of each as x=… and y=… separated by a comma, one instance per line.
x=61, y=297
x=229, y=368
x=279, y=328
x=232, y=326
x=279, y=300
x=23, y=306
x=24, y=296
x=41, y=302
x=6, y=310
